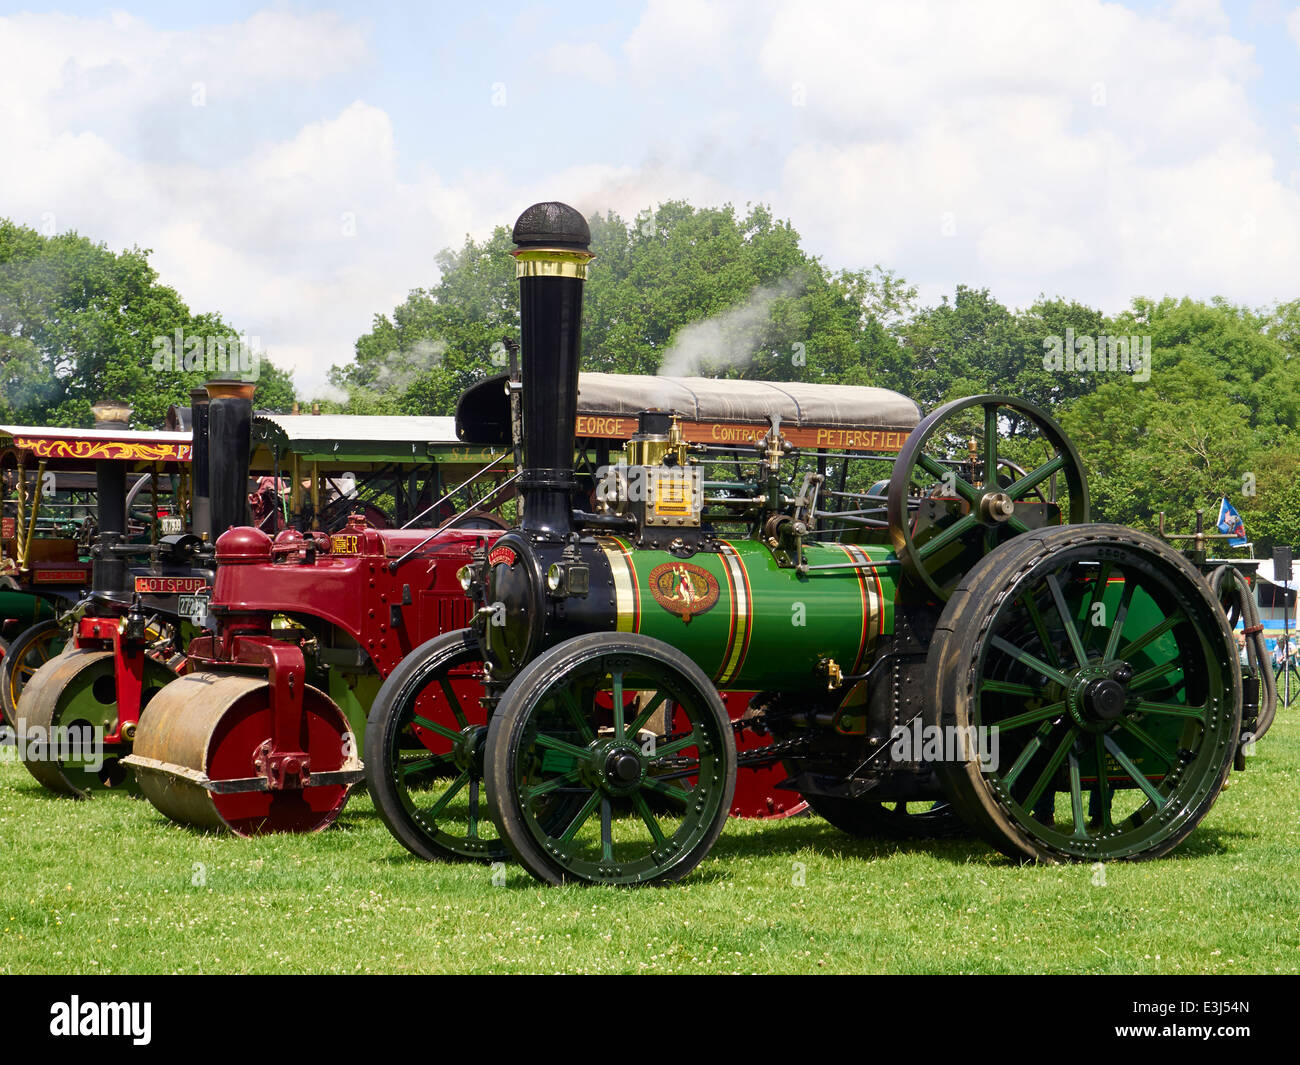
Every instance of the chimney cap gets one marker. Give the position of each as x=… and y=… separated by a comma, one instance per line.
x=553, y=225
x=231, y=389
x=111, y=414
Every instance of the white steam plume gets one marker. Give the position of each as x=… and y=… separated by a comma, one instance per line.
x=728, y=340
x=402, y=367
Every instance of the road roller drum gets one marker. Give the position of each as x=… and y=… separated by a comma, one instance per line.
x=68, y=718
x=203, y=756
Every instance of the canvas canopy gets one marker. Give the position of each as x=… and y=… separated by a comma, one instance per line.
x=857, y=417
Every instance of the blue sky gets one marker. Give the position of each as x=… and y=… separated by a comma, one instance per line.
x=1093, y=150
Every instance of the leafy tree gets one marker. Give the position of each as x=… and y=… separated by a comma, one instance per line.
x=683, y=290
x=976, y=344
x=80, y=323
x=1214, y=420
x=275, y=392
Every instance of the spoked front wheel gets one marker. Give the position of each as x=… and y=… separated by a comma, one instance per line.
x=649, y=793
x=424, y=753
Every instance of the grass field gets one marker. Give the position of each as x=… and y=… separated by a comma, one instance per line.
x=108, y=886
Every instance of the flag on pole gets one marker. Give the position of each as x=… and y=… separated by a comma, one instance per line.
x=1230, y=522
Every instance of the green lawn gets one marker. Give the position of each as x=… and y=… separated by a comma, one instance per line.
x=108, y=886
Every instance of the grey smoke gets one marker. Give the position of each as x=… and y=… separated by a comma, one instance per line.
x=402, y=367
x=398, y=370
x=728, y=340
x=329, y=393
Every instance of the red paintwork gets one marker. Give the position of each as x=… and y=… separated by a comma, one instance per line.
x=352, y=592
x=757, y=794
x=346, y=581
x=284, y=763
x=239, y=749
x=103, y=634
x=243, y=545
x=301, y=574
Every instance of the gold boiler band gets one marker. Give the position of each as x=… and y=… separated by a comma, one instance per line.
x=625, y=586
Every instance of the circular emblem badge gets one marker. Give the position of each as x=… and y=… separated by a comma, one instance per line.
x=683, y=589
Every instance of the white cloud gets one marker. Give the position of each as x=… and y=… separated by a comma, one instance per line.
x=1078, y=148
x=582, y=61
x=259, y=236
x=1208, y=13
x=684, y=35
x=76, y=72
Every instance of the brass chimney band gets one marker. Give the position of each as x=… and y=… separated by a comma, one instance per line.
x=551, y=262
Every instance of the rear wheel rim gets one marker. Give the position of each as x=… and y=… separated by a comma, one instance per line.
x=29, y=651
x=1093, y=662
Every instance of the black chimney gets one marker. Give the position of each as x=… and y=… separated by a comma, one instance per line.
x=551, y=255
x=201, y=514
x=230, y=427
x=109, y=575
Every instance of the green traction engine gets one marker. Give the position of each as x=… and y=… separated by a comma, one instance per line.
x=940, y=641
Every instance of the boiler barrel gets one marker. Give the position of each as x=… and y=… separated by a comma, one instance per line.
x=747, y=622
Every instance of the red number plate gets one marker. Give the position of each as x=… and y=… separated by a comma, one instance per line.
x=169, y=585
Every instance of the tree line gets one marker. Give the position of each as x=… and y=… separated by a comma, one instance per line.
x=1171, y=402
x=80, y=323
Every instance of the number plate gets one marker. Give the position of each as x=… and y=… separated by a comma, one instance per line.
x=341, y=544
x=151, y=585
x=194, y=607
x=171, y=524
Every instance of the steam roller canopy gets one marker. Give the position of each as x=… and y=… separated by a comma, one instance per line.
x=198, y=752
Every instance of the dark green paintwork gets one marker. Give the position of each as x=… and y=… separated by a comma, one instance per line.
x=795, y=621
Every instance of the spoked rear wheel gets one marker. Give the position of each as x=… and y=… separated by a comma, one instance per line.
x=651, y=793
x=1102, y=664
x=424, y=753
x=28, y=651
